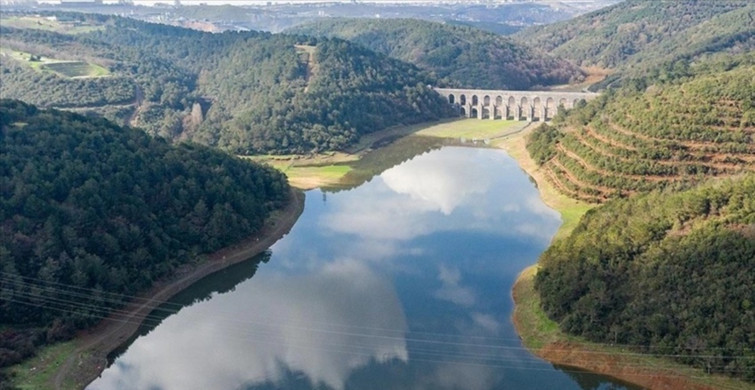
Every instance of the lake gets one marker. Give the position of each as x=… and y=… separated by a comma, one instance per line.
x=403, y=282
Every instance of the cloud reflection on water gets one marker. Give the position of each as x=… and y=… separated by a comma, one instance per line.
x=417, y=197
x=442, y=180
x=451, y=228
x=323, y=325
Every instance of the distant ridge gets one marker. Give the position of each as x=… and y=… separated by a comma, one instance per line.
x=459, y=56
x=245, y=92
x=637, y=35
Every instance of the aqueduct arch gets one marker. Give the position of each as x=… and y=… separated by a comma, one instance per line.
x=520, y=105
x=550, y=109
x=537, y=109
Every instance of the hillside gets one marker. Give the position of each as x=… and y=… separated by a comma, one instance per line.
x=680, y=126
x=637, y=35
x=91, y=213
x=666, y=273
x=245, y=92
x=459, y=56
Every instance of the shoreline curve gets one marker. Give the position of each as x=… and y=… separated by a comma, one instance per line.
x=563, y=350
x=89, y=358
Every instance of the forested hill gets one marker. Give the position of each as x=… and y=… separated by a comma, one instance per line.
x=680, y=125
x=459, y=56
x=245, y=92
x=667, y=273
x=637, y=35
x=90, y=210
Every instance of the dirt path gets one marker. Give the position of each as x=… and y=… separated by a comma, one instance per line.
x=311, y=63
x=604, y=191
x=694, y=145
x=90, y=356
x=591, y=133
x=138, y=100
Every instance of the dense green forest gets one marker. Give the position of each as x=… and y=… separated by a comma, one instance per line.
x=667, y=269
x=246, y=92
x=90, y=212
x=635, y=36
x=667, y=273
x=679, y=125
x=459, y=56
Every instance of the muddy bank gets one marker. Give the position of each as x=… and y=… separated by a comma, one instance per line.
x=93, y=345
x=557, y=348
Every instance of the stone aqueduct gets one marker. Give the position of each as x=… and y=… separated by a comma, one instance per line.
x=517, y=105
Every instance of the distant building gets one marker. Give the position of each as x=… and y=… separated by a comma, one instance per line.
x=81, y=3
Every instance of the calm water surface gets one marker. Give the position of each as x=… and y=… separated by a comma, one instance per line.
x=402, y=283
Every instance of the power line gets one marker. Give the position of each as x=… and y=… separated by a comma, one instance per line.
x=480, y=359
x=164, y=306
x=71, y=304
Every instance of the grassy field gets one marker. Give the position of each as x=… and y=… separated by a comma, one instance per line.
x=472, y=129
x=49, y=24
x=36, y=372
x=76, y=69
x=61, y=67
x=313, y=171
x=306, y=177
x=535, y=328
x=329, y=169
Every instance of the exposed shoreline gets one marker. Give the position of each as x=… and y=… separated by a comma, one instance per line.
x=93, y=345
x=559, y=348
x=645, y=371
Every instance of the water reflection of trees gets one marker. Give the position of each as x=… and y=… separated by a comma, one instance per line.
x=388, y=156
x=219, y=282
x=590, y=380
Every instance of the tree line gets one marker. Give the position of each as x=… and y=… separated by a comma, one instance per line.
x=258, y=92
x=86, y=205
x=666, y=273
x=459, y=56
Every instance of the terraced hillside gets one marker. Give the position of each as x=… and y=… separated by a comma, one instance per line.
x=670, y=134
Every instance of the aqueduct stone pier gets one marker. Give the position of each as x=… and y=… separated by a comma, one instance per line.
x=517, y=105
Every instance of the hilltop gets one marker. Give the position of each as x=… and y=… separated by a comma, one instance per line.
x=247, y=93
x=459, y=56
x=635, y=36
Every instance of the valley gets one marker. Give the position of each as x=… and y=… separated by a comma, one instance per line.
x=147, y=172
